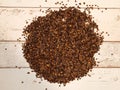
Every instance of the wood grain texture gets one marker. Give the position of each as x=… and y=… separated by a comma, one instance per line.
x=11, y=55
x=13, y=20
x=101, y=79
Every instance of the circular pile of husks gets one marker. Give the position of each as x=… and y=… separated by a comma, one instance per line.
x=60, y=46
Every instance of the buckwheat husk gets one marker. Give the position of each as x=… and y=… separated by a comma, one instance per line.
x=60, y=46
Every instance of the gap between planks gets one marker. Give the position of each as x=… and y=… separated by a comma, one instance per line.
x=57, y=7
x=24, y=41
x=29, y=67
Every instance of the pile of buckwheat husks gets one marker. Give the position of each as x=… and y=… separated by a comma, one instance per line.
x=60, y=46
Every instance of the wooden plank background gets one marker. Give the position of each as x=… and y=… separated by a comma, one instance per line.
x=13, y=17
x=108, y=20
x=101, y=79
x=13, y=56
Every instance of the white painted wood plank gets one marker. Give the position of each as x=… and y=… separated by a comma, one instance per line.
x=12, y=22
x=101, y=79
x=101, y=3
x=13, y=56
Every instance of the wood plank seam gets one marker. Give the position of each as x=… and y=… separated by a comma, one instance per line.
x=56, y=7
x=29, y=67
x=24, y=41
